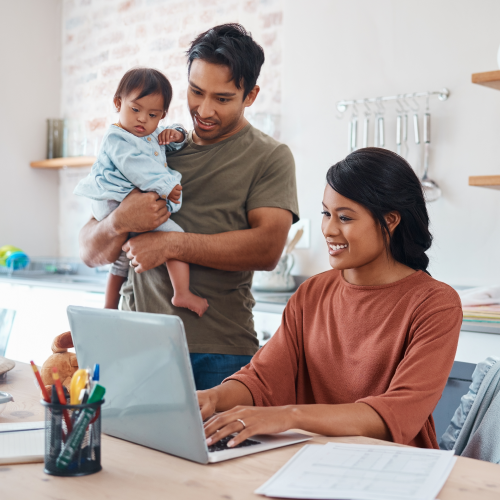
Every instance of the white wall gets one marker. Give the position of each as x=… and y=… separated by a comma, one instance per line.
x=337, y=49
x=30, y=93
x=102, y=40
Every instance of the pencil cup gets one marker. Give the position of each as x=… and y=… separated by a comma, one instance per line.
x=72, y=439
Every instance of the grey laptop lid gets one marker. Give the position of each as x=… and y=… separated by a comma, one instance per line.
x=145, y=368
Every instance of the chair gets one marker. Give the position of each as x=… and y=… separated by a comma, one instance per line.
x=458, y=384
x=6, y=322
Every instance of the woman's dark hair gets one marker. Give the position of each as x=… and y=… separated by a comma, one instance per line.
x=148, y=81
x=232, y=46
x=383, y=182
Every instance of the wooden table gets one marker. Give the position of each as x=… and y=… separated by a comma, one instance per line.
x=131, y=471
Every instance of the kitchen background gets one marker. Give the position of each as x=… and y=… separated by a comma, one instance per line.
x=64, y=58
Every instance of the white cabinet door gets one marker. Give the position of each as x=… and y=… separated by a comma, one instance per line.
x=41, y=315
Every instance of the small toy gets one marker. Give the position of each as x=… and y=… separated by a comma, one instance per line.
x=13, y=258
x=65, y=362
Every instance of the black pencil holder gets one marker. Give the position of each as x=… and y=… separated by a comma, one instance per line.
x=75, y=451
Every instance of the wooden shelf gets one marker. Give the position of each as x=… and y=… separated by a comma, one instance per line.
x=487, y=181
x=488, y=79
x=75, y=161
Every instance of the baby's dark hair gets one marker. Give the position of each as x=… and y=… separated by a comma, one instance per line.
x=148, y=81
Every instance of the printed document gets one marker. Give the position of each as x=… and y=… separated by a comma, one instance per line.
x=361, y=472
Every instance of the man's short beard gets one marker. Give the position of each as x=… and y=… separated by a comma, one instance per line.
x=203, y=134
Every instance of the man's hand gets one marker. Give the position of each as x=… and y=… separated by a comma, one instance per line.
x=175, y=194
x=170, y=135
x=147, y=251
x=140, y=212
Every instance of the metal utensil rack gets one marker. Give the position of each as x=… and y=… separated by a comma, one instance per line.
x=442, y=95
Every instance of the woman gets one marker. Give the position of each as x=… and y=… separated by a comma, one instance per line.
x=366, y=348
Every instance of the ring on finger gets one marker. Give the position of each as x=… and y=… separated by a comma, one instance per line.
x=243, y=423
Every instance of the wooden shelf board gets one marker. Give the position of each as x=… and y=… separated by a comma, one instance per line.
x=488, y=79
x=488, y=181
x=75, y=161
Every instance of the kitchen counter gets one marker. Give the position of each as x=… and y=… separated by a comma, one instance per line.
x=58, y=273
x=85, y=286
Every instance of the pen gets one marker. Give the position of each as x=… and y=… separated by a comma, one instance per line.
x=62, y=397
x=55, y=428
x=45, y=395
x=76, y=437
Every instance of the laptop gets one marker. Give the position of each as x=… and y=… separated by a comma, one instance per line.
x=150, y=392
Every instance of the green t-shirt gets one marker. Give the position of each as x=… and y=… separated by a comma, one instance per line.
x=221, y=183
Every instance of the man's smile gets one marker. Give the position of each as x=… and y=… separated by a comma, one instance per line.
x=204, y=125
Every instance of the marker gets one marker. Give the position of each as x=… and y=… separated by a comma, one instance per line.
x=76, y=437
x=55, y=428
x=62, y=398
x=45, y=394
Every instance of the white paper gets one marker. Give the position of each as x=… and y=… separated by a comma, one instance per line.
x=22, y=426
x=19, y=447
x=361, y=472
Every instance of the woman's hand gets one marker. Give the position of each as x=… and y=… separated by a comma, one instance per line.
x=208, y=403
x=258, y=420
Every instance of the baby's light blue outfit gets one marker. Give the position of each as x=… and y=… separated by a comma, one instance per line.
x=126, y=162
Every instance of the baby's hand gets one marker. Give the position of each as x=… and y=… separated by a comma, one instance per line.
x=170, y=135
x=175, y=194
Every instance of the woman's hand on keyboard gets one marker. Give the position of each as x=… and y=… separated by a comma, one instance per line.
x=208, y=403
x=258, y=420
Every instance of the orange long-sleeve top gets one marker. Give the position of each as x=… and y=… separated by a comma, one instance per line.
x=389, y=346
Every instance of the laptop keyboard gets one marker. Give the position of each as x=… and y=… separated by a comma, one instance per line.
x=222, y=444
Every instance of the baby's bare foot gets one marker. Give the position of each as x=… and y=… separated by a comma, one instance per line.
x=191, y=301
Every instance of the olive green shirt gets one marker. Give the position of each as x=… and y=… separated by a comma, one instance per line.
x=221, y=183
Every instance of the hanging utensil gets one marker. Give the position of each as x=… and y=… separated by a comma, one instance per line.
x=366, y=125
x=416, y=129
x=398, y=134
x=349, y=136
x=366, y=128
x=381, y=132
x=354, y=134
x=401, y=126
x=431, y=189
x=405, y=135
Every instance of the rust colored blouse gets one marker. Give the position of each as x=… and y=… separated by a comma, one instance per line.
x=390, y=346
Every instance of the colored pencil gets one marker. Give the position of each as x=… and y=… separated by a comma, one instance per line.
x=62, y=397
x=45, y=394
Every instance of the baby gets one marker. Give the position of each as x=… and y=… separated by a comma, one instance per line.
x=132, y=156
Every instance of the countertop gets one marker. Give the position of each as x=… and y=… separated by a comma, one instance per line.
x=86, y=279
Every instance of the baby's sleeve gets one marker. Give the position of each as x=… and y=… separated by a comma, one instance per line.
x=175, y=146
x=141, y=170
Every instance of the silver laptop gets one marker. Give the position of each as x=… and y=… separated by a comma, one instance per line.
x=150, y=391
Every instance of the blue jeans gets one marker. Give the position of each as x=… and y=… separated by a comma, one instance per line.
x=210, y=370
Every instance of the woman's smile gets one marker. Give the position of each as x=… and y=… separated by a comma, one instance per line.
x=336, y=248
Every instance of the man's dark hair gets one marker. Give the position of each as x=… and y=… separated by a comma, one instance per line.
x=147, y=81
x=232, y=46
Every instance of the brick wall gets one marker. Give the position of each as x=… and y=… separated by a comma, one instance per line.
x=104, y=38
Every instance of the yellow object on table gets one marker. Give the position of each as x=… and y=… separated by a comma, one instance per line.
x=79, y=382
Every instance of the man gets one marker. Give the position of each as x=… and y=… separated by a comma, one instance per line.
x=239, y=203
